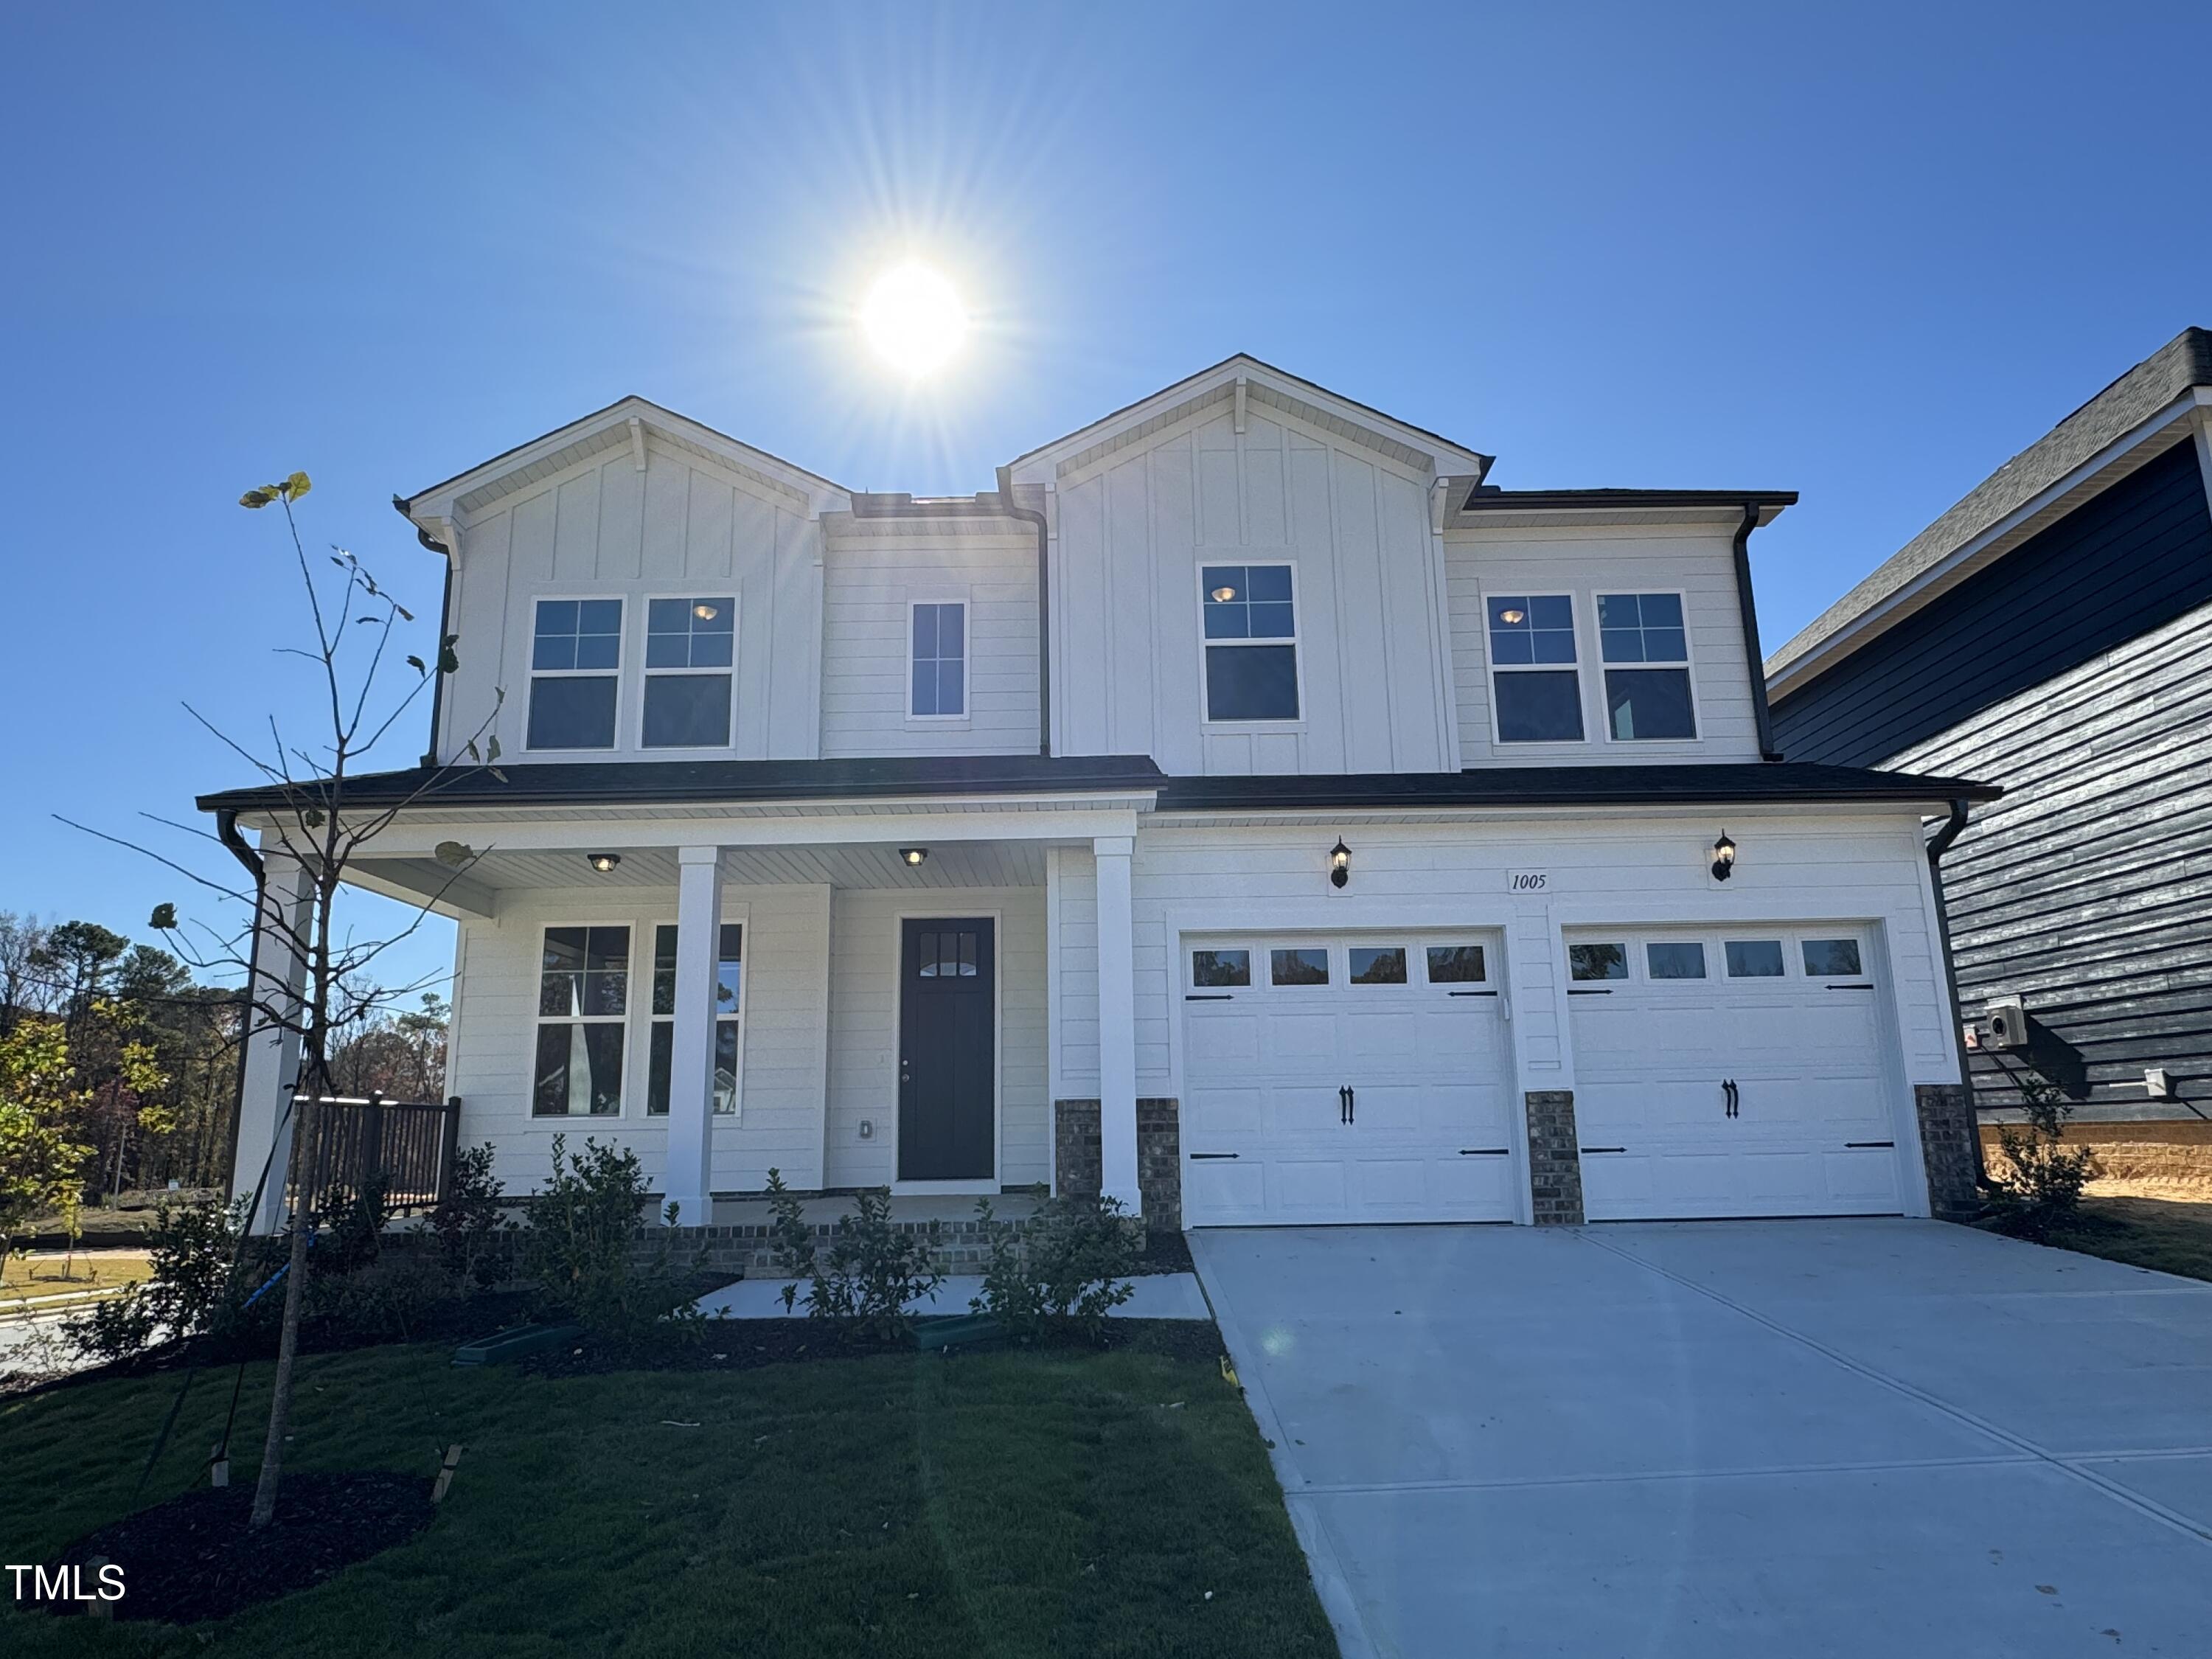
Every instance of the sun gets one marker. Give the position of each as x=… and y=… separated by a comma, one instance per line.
x=914, y=318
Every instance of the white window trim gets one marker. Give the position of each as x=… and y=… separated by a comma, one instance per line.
x=981, y=1187
x=1495, y=668
x=1296, y=641
x=948, y=596
x=644, y=673
x=633, y=1098
x=620, y=678
x=1688, y=665
x=650, y=929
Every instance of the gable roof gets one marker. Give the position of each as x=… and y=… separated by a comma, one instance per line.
x=1263, y=384
x=605, y=430
x=2153, y=387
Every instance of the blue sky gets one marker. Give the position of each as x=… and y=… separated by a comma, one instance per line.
x=1863, y=252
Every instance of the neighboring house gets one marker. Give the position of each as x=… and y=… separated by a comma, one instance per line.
x=2053, y=633
x=1244, y=806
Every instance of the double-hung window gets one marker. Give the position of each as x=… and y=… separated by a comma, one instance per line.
x=576, y=660
x=1651, y=701
x=1534, y=681
x=689, y=647
x=583, y=996
x=1251, y=628
x=729, y=1001
x=938, y=652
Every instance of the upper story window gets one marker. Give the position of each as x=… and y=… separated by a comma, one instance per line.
x=1652, y=701
x=1251, y=627
x=576, y=660
x=938, y=647
x=1534, y=681
x=685, y=707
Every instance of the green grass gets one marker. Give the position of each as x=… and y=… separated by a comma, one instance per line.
x=995, y=1503
x=2145, y=1232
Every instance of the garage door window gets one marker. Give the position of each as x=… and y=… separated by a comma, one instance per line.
x=1378, y=966
x=1220, y=970
x=1298, y=967
x=1597, y=960
x=1754, y=958
x=1831, y=958
x=1676, y=960
x=1456, y=964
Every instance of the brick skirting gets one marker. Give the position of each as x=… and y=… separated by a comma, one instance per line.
x=1077, y=1159
x=1947, y=1136
x=1555, y=1161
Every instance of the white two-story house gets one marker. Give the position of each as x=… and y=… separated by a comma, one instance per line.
x=1244, y=807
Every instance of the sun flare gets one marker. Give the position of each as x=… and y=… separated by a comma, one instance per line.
x=914, y=318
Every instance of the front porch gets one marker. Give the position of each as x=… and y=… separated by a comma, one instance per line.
x=902, y=997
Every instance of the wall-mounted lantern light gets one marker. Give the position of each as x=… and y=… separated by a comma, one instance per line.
x=1724, y=858
x=603, y=862
x=914, y=855
x=1340, y=865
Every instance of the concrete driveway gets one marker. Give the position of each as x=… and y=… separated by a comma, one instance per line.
x=1780, y=1439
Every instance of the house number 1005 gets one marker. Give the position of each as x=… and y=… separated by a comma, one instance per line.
x=1526, y=881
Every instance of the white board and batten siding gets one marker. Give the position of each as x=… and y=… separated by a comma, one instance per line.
x=601, y=528
x=1698, y=562
x=873, y=571
x=1795, y=870
x=787, y=995
x=1132, y=530
x=863, y=1081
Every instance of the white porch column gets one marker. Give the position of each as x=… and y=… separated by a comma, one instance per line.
x=276, y=981
x=1117, y=1023
x=691, y=1178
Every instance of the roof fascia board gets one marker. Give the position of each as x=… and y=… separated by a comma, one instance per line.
x=1263, y=384
x=1628, y=815
x=1786, y=673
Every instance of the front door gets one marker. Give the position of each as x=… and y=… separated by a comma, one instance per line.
x=948, y=1072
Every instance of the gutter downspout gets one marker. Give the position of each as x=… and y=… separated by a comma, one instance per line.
x=1939, y=844
x=1030, y=515
x=1750, y=614
x=445, y=626
x=226, y=831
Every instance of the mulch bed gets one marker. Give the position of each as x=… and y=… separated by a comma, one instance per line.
x=743, y=1345
x=1166, y=1252
x=194, y=1558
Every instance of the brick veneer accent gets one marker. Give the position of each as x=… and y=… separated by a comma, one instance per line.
x=959, y=1246
x=1947, y=1134
x=1555, y=1164
x=1078, y=1162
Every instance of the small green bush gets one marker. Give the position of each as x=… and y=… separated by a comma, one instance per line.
x=583, y=1242
x=193, y=1250
x=350, y=1226
x=1069, y=1273
x=2039, y=1193
x=472, y=1226
x=872, y=1270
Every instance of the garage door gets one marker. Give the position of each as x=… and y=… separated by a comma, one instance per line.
x=1731, y=1074
x=1347, y=1079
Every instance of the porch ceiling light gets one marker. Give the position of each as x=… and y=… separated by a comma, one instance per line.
x=1723, y=857
x=603, y=862
x=1340, y=865
x=914, y=855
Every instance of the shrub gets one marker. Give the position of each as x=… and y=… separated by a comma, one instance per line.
x=873, y=1268
x=1072, y=1272
x=582, y=1243
x=2039, y=1191
x=350, y=1226
x=193, y=1250
x=470, y=1226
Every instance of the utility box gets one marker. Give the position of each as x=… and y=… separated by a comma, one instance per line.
x=2007, y=1023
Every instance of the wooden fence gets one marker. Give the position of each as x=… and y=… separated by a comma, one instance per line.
x=409, y=1143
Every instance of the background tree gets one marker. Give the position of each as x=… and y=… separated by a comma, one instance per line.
x=22, y=981
x=41, y=1158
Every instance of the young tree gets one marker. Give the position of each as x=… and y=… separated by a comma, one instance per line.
x=41, y=1158
x=319, y=827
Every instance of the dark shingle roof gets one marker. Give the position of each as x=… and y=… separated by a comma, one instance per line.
x=2184, y=361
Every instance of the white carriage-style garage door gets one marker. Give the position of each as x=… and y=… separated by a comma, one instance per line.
x=1345, y=1080
x=1731, y=1073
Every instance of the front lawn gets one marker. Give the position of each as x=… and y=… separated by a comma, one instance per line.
x=2173, y=1237
x=57, y=1272
x=990, y=1504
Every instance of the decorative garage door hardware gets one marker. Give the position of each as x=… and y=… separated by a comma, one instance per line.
x=1347, y=1102
x=1207, y=996
x=1603, y=1149
x=1470, y=993
x=1850, y=987
x=1733, y=1104
x=1483, y=1152
x=1587, y=991
x=1200, y=1156
x=1855, y=1145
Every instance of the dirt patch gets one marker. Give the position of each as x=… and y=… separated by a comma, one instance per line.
x=1165, y=1253
x=2170, y=1159
x=194, y=1558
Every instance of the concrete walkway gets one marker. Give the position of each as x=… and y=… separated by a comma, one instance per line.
x=1730, y=1438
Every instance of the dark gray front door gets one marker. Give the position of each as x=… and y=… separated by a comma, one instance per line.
x=948, y=1081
